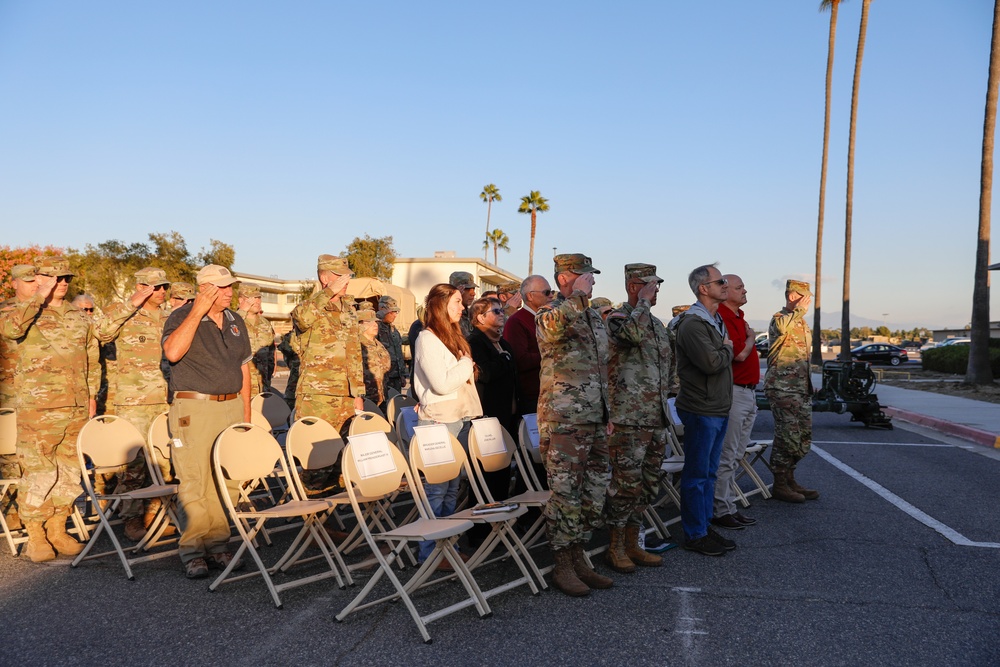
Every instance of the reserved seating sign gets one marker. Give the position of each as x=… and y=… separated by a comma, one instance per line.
x=489, y=436
x=531, y=422
x=434, y=441
x=372, y=454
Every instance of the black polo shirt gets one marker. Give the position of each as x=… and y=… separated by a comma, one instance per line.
x=213, y=364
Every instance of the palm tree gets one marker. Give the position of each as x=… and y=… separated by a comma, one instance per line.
x=489, y=194
x=499, y=241
x=845, y=315
x=978, y=370
x=534, y=204
x=817, y=355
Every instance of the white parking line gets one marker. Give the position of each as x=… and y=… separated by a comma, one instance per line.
x=921, y=516
x=885, y=444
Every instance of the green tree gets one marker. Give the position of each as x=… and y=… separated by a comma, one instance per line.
x=979, y=370
x=498, y=240
x=171, y=253
x=845, y=322
x=883, y=331
x=10, y=257
x=489, y=195
x=534, y=204
x=106, y=270
x=371, y=257
x=832, y=5
x=219, y=253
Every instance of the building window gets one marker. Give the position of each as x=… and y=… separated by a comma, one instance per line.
x=293, y=298
x=268, y=297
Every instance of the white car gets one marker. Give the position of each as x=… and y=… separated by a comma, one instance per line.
x=956, y=341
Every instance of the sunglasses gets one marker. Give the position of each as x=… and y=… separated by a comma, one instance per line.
x=546, y=292
x=496, y=311
x=88, y=310
x=720, y=282
x=64, y=279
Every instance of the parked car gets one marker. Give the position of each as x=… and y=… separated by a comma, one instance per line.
x=762, y=343
x=956, y=341
x=880, y=353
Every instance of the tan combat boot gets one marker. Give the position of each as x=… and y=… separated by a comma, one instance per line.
x=808, y=494
x=13, y=520
x=637, y=554
x=782, y=490
x=55, y=532
x=37, y=550
x=616, y=557
x=564, y=577
x=586, y=573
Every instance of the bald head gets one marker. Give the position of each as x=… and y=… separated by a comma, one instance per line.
x=737, y=292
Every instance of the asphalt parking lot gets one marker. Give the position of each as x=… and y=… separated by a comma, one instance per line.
x=895, y=564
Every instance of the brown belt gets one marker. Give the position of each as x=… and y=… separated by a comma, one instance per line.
x=205, y=397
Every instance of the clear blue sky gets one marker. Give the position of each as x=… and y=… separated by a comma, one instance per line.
x=676, y=133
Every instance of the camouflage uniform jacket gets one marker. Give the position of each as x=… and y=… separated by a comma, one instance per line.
x=639, y=366
x=377, y=364
x=393, y=343
x=262, y=343
x=330, y=347
x=58, y=364
x=788, y=356
x=138, y=375
x=466, y=323
x=8, y=360
x=574, y=374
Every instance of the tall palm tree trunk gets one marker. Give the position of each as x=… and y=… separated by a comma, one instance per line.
x=531, y=247
x=496, y=261
x=979, y=370
x=489, y=205
x=817, y=353
x=845, y=318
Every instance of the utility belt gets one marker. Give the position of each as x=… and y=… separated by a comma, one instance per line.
x=205, y=397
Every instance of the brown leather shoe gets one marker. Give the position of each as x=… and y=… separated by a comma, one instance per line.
x=196, y=568
x=728, y=521
x=221, y=561
x=445, y=564
x=135, y=529
x=744, y=519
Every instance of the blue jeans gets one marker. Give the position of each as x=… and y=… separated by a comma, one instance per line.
x=703, y=438
x=443, y=497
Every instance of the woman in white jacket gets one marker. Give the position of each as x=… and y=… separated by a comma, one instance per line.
x=444, y=386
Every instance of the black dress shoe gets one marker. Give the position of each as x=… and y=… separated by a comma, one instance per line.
x=728, y=521
x=705, y=546
x=744, y=519
x=726, y=544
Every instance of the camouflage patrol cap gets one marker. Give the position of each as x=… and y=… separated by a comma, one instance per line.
x=25, y=272
x=151, y=276
x=509, y=287
x=798, y=286
x=365, y=305
x=181, y=291
x=677, y=310
x=574, y=262
x=601, y=302
x=53, y=267
x=366, y=312
x=462, y=280
x=644, y=272
x=333, y=263
x=217, y=275
x=388, y=304
x=249, y=290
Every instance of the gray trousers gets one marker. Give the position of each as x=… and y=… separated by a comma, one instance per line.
x=741, y=417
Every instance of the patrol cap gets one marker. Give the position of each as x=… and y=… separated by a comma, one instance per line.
x=333, y=263
x=151, y=276
x=798, y=286
x=182, y=291
x=574, y=262
x=388, y=304
x=25, y=272
x=644, y=272
x=366, y=312
x=677, y=310
x=217, y=275
x=601, y=302
x=365, y=305
x=53, y=267
x=249, y=290
x=509, y=287
x=462, y=280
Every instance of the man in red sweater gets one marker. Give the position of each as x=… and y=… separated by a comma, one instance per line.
x=746, y=375
x=520, y=333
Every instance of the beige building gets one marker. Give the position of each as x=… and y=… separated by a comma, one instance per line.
x=420, y=274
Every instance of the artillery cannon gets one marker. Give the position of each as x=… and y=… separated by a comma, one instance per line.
x=848, y=386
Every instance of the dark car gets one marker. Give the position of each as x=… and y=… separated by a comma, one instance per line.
x=880, y=353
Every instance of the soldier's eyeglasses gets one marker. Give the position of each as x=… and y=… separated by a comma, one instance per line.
x=64, y=279
x=161, y=288
x=720, y=282
x=88, y=310
x=496, y=311
x=546, y=292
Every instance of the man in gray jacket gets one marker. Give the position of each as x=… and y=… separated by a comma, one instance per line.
x=704, y=365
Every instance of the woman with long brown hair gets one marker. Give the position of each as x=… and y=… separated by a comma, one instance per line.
x=443, y=384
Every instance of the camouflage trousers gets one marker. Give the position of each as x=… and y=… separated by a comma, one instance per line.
x=50, y=470
x=576, y=465
x=135, y=475
x=792, y=428
x=636, y=456
x=337, y=410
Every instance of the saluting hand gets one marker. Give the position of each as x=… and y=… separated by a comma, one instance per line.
x=338, y=285
x=514, y=301
x=207, y=294
x=649, y=290
x=45, y=285
x=584, y=283
x=142, y=292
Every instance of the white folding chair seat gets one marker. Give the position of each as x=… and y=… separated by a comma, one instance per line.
x=374, y=468
x=395, y=404
x=247, y=453
x=8, y=447
x=109, y=443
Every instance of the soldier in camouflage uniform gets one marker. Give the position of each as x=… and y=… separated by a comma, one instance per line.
x=573, y=421
x=180, y=294
x=603, y=306
x=638, y=379
x=56, y=380
x=23, y=278
x=509, y=294
x=377, y=360
x=388, y=311
x=139, y=388
x=289, y=348
x=331, y=384
x=261, y=338
x=675, y=312
x=466, y=284
x=788, y=387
